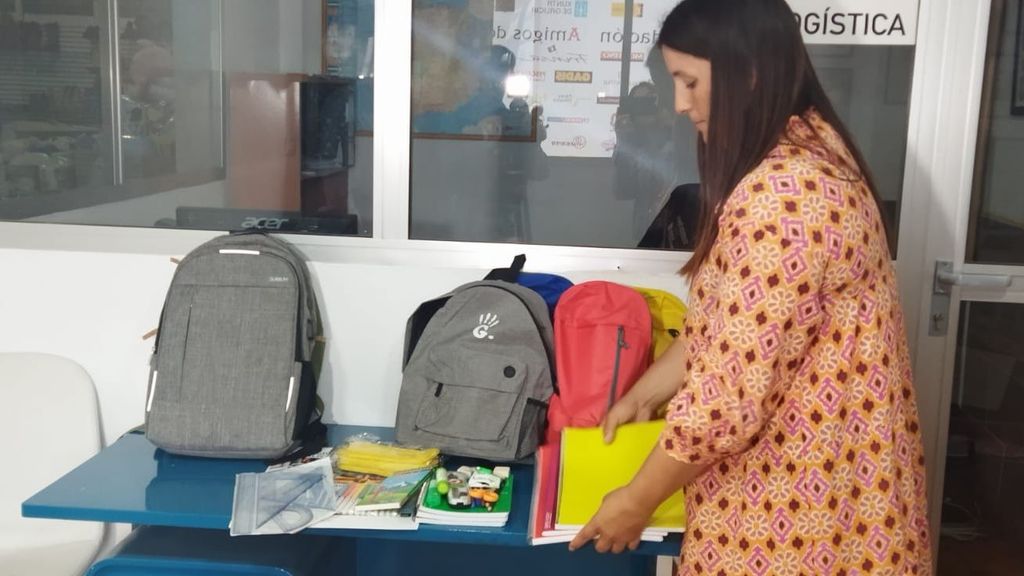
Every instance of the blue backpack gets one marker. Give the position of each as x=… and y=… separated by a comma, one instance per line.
x=549, y=286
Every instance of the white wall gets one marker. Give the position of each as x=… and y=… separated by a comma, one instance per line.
x=94, y=307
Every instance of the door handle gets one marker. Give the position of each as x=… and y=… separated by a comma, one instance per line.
x=946, y=278
x=942, y=286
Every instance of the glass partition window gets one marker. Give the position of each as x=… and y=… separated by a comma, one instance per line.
x=996, y=234
x=51, y=110
x=982, y=527
x=299, y=122
x=168, y=88
x=870, y=89
x=210, y=114
x=533, y=121
x=522, y=131
x=981, y=522
x=551, y=122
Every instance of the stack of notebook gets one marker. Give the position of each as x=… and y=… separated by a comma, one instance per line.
x=571, y=479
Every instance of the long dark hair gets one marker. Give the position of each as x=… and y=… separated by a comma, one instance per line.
x=761, y=76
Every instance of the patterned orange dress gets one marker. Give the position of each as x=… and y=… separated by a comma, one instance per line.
x=798, y=389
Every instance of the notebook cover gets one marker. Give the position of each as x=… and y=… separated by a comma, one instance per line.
x=590, y=469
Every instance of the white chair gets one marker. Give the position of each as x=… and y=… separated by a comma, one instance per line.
x=49, y=423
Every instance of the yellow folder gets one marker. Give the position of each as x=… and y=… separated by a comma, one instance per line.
x=590, y=469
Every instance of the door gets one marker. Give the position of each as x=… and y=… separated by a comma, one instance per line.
x=967, y=288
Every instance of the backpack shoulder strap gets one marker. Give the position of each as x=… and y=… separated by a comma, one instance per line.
x=417, y=323
x=510, y=274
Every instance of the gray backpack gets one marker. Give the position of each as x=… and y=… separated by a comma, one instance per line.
x=234, y=367
x=477, y=373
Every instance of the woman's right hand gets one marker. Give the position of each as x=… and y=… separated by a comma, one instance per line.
x=626, y=410
x=656, y=387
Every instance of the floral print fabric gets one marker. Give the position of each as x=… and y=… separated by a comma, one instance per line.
x=798, y=390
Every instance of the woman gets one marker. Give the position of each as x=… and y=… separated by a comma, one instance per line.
x=793, y=426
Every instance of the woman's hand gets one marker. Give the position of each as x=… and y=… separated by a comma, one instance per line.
x=626, y=410
x=617, y=525
x=656, y=387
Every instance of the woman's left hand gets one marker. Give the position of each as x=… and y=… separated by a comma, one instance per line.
x=617, y=525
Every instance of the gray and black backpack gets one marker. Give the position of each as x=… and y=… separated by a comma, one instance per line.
x=477, y=372
x=237, y=354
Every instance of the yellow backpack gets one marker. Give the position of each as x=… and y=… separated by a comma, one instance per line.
x=667, y=316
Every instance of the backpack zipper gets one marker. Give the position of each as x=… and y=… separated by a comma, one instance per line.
x=620, y=345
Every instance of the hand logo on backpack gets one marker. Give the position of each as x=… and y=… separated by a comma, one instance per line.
x=487, y=321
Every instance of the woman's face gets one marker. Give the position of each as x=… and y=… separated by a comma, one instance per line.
x=691, y=77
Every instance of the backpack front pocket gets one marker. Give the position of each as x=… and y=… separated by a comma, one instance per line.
x=471, y=395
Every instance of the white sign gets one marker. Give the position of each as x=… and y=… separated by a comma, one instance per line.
x=861, y=22
x=571, y=50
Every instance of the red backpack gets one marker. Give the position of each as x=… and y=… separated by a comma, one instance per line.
x=602, y=346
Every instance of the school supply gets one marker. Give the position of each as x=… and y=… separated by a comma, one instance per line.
x=590, y=469
x=550, y=287
x=283, y=501
x=461, y=499
x=234, y=368
x=346, y=515
x=382, y=459
x=477, y=373
x=668, y=313
x=392, y=492
x=602, y=347
x=543, y=507
x=545, y=492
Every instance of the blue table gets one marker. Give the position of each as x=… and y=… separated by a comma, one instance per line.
x=133, y=482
